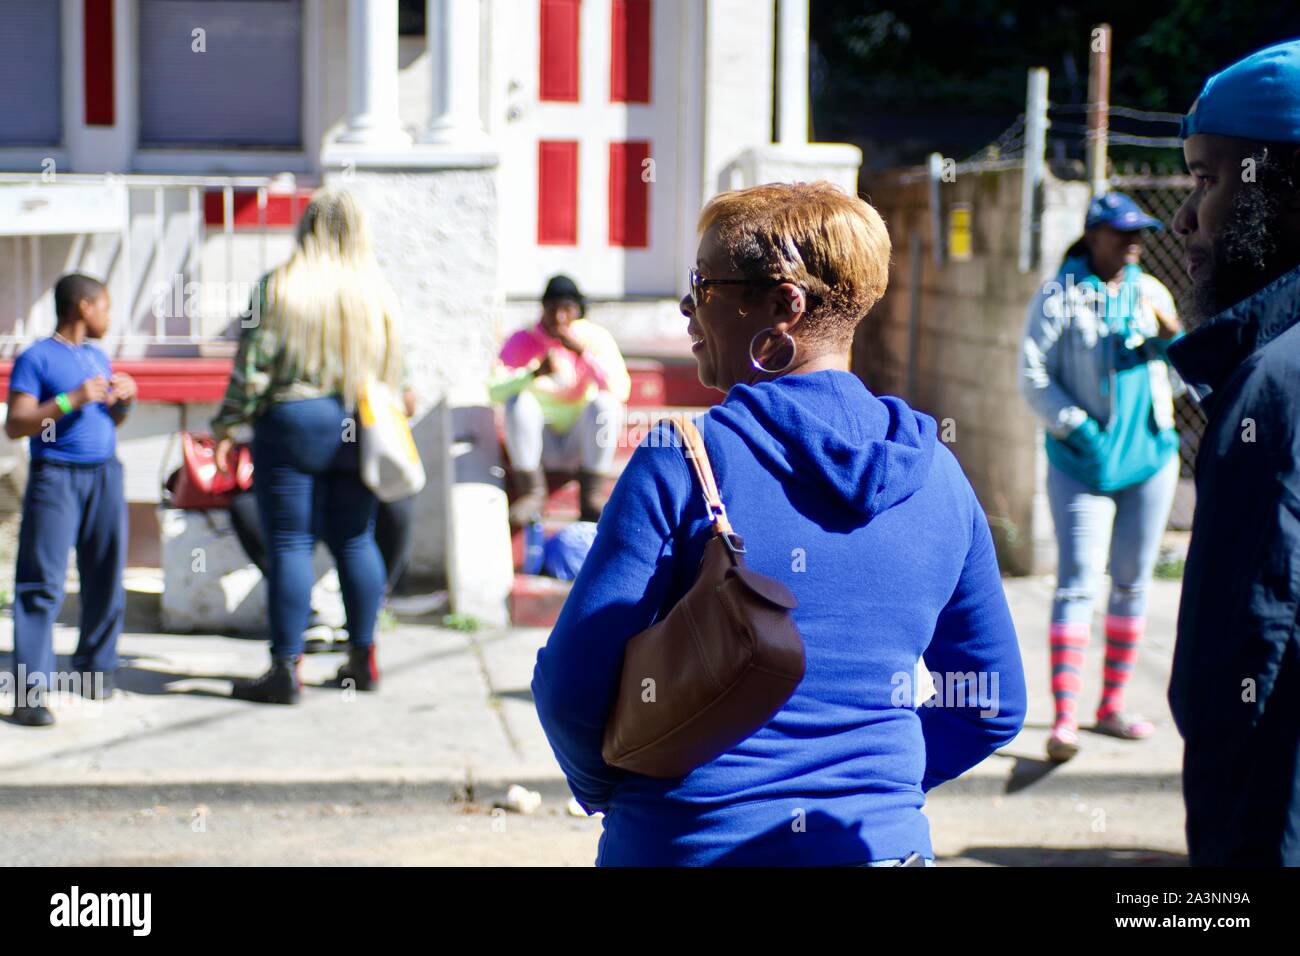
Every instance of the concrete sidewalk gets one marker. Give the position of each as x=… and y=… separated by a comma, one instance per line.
x=455, y=715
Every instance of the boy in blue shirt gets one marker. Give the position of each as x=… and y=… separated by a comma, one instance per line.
x=65, y=397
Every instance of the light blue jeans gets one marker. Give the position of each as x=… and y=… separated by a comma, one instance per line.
x=1132, y=520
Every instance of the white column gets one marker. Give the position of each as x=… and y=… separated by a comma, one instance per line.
x=372, y=75
x=453, y=33
x=792, y=71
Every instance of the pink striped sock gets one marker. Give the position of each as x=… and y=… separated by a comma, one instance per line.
x=1068, y=642
x=1122, y=635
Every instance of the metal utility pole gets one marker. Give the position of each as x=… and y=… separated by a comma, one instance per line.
x=1035, y=161
x=1098, y=107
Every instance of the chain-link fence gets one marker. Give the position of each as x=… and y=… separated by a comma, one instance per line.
x=1162, y=256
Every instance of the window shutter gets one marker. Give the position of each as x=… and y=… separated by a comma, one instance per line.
x=31, y=100
x=245, y=89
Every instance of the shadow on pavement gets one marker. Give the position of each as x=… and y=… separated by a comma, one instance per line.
x=523, y=693
x=1027, y=771
x=1067, y=856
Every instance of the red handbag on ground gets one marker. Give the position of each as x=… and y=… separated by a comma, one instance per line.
x=198, y=484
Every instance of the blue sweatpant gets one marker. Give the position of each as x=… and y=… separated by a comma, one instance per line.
x=70, y=505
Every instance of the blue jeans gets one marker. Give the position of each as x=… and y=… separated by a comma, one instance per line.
x=307, y=483
x=1133, y=519
x=69, y=505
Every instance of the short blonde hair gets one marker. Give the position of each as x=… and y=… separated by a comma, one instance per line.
x=832, y=244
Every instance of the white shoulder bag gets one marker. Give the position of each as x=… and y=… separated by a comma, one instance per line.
x=390, y=462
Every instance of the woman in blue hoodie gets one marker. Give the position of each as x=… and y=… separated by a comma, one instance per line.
x=847, y=498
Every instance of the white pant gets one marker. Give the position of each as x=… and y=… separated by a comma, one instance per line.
x=588, y=446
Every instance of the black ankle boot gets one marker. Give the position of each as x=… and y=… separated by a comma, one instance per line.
x=280, y=685
x=590, y=501
x=361, y=670
x=531, y=486
x=35, y=712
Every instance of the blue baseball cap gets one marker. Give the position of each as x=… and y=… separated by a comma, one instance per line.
x=1256, y=98
x=1119, y=211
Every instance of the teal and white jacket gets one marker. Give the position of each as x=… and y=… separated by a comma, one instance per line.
x=1082, y=344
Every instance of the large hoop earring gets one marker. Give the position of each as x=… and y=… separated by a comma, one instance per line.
x=758, y=365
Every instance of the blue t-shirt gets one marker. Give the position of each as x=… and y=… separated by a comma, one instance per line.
x=45, y=368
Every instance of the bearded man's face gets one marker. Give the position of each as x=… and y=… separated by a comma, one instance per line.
x=1237, y=225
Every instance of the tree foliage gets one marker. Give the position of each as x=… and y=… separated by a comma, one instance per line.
x=876, y=63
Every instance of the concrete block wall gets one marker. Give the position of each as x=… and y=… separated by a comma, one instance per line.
x=452, y=303
x=959, y=329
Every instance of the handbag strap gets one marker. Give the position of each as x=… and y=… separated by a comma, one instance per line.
x=698, y=456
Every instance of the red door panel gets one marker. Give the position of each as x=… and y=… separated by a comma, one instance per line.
x=630, y=44
x=557, y=192
x=629, y=195
x=558, y=64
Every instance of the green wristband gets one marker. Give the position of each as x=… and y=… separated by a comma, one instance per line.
x=61, y=400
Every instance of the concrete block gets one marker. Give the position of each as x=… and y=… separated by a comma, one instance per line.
x=209, y=585
x=480, y=569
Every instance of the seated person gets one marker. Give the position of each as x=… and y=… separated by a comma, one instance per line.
x=564, y=385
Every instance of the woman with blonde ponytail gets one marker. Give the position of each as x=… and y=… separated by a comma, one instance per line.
x=323, y=324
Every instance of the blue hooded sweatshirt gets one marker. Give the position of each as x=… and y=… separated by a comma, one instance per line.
x=853, y=503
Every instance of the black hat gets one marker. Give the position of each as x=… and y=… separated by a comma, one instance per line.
x=562, y=287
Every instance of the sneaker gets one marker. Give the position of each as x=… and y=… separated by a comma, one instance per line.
x=318, y=639
x=1063, y=744
x=280, y=685
x=361, y=669
x=1124, y=726
x=35, y=713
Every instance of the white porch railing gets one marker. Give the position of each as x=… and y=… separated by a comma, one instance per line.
x=174, y=280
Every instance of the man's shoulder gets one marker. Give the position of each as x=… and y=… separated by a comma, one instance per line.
x=33, y=357
x=35, y=350
x=1274, y=368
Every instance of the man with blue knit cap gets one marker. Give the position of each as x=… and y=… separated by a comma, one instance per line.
x=1235, y=687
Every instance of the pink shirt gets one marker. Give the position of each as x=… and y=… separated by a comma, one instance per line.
x=600, y=364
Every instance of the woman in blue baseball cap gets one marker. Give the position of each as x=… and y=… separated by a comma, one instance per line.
x=1093, y=368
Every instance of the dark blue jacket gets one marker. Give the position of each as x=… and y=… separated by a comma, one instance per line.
x=852, y=502
x=1235, y=687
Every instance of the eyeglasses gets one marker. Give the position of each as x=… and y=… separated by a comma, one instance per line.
x=698, y=284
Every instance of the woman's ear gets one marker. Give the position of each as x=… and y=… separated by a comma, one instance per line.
x=791, y=306
x=792, y=301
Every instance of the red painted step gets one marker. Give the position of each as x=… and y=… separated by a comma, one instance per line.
x=668, y=381
x=535, y=601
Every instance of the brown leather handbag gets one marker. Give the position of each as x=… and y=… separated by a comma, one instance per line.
x=720, y=664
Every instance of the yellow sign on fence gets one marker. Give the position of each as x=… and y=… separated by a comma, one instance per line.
x=959, y=236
